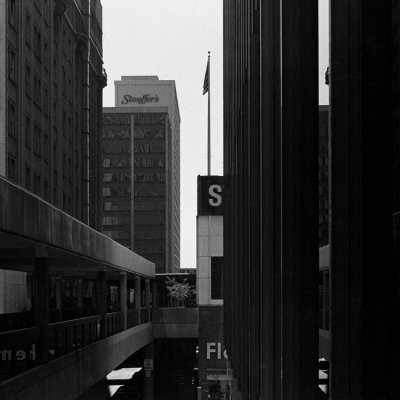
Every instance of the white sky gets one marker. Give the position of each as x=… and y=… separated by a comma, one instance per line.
x=171, y=38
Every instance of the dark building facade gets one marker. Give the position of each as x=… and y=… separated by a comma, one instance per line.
x=323, y=176
x=271, y=150
x=142, y=141
x=52, y=79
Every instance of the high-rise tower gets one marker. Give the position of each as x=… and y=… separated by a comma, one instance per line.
x=141, y=169
x=51, y=80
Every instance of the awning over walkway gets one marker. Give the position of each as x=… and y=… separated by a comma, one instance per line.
x=31, y=227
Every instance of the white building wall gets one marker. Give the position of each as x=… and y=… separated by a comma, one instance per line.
x=209, y=244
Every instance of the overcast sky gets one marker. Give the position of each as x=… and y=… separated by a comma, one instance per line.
x=170, y=39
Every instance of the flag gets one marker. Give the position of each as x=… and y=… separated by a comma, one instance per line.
x=207, y=77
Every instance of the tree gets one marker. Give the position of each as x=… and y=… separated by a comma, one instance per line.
x=183, y=292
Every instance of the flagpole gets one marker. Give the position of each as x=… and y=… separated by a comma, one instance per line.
x=209, y=125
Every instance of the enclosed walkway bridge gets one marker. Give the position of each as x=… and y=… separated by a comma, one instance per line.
x=74, y=304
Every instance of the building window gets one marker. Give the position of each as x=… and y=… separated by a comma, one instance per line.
x=28, y=140
x=64, y=166
x=28, y=80
x=64, y=80
x=46, y=147
x=28, y=29
x=64, y=38
x=27, y=178
x=37, y=91
x=37, y=139
x=11, y=169
x=55, y=186
x=46, y=9
x=55, y=155
x=11, y=65
x=70, y=169
x=217, y=264
x=64, y=123
x=37, y=44
x=55, y=71
x=46, y=55
x=70, y=128
x=11, y=12
x=46, y=101
x=46, y=190
x=55, y=119
x=36, y=183
x=11, y=119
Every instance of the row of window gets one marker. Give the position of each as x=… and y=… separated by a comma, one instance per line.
x=116, y=206
x=36, y=185
x=33, y=140
x=38, y=43
x=118, y=234
x=11, y=128
x=117, y=220
x=33, y=181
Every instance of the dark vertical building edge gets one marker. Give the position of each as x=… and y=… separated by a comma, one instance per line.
x=363, y=279
x=271, y=214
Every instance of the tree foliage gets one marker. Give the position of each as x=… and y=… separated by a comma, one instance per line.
x=181, y=291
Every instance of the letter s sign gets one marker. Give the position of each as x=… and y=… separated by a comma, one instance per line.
x=210, y=195
x=215, y=199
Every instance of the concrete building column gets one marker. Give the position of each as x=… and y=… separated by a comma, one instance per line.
x=101, y=301
x=123, y=298
x=148, y=298
x=80, y=296
x=154, y=293
x=148, y=292
x=138, y=299
x=41, y=292
x=148, y=384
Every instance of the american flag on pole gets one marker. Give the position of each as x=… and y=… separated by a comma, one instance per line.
x=207, y=77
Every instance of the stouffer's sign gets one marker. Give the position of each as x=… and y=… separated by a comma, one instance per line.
x=146, y=98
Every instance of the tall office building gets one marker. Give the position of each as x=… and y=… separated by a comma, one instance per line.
x=271, y=149
x=51, y=81
x=141, y=139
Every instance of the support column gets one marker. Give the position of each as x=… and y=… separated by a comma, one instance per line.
x=148, y=386
x=80, y=297
x=148, y=298
x=154, y=293
x=101, y=301
x=41, y=287
x=123, y=298
x=59, y=307
x=138, y=300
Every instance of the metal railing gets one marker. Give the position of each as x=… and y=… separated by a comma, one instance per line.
x=114, y=323
x=132, y=318
x=67, y=336
x=23, y=349
x=144, y=315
